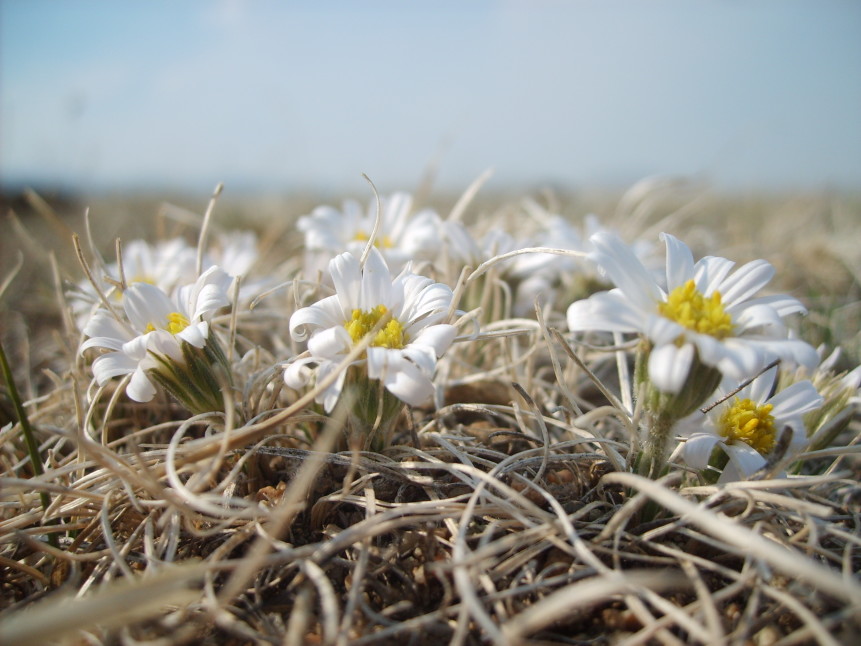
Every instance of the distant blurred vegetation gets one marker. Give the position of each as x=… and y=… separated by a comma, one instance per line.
x=812, y=239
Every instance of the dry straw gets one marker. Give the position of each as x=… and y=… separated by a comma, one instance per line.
x=505, y=514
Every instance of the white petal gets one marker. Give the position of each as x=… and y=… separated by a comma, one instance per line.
x=680, y=261
x=535, y=286
x=797, y=399
x=745, y=282
x=396, y=210
x=107, y=342
x=298, y=374
x=146, y=304
x=421, y=238
x=407, y=382
x=329, y=397
x=762, y=318
x=238, y=252
x=347, y=279
x=437, y=337
x=137, y=347
x=744, y=461
x=741, y=360
x=710, y=271
x=698, y=449
x=106, y=332
x=164, y=343
x=321, y=228
x=625, y=270
x=782, y=304
x=425, y=299
x=662, y=330
x=709, y=349
x=609, y=311
x=423, y=357
x=760, y=388
x=195, y=334
x=323, y=314
x=208, y=294
x=799, y=440
x=460, y=245
x=330, y=343
x=669, y=366
x=794, y=350
x=138, y=262
x=140, y=388
x=728, y=385
x=852, y=380
x=381, y=360
x=376, y=283
x=113, y=364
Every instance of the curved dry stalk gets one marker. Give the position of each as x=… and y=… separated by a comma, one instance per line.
x=774, y=554
x=205, y=225
x=10, y=275
x=116, y=603
x=468, y=195
x=378, y=221
x=498, y=524
x=585, y=594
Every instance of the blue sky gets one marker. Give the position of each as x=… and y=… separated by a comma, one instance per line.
x=271, y=96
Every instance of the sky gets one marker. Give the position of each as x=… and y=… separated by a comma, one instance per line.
x=278, y=96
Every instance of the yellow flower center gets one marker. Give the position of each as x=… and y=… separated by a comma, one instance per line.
x=360, y=323
x=384, y=242
x=176, y=323
x=689, y=308
x=750, y=423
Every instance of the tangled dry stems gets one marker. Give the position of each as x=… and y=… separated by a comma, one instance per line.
x=506, y=515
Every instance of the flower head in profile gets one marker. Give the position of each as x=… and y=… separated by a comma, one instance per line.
x=556, y=277
x=841, y=395
x=746, y=427
x=702, y=312
x=158, y=335
x=463, y=248
x=237, y=253
x=407, y=312
x=402, y=236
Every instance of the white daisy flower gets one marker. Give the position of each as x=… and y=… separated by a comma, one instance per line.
x=464, y=249
x=150, y=339
x=235, y=252
x=747, y=426
x=403, y=236
x=403, y=353
x=166, y=264
x=492, y=292
x=701, y=313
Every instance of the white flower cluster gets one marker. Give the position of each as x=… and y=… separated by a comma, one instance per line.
x=704, y=329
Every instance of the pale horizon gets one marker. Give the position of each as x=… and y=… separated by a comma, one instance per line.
x=273, y=97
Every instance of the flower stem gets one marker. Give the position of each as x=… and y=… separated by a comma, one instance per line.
x=373, y=414
x=653, y=459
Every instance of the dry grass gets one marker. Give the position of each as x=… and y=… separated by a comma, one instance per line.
x=505, y=514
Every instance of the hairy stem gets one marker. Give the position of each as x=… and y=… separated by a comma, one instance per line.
x=653, y=460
